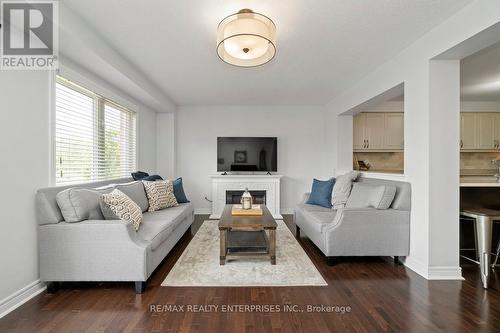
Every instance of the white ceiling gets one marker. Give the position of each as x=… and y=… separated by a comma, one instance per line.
x=323, y=46
x=480, y=75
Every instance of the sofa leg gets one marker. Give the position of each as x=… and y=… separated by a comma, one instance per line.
x=397, y=261
x=297, y=231
x=52, y=287
x=140, y=287
x=331, y=261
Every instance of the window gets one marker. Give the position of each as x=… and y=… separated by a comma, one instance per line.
x=95, y=138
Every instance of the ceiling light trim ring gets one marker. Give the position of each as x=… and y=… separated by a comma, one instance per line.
x=240, y=66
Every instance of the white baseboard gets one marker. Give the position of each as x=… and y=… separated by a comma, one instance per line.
x=434, y=272
x=202, y=211
x=12, y=302
x=417, y=267
x=445, y=273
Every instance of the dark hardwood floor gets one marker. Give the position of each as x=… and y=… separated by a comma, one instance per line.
x=382, y=297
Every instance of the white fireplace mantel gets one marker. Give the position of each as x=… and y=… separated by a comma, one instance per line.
x=223, y=183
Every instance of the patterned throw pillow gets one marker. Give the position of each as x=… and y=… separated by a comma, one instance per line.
x=123, y=207
x=160, y=194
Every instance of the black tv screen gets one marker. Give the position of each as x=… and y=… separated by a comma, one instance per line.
x=247, y=154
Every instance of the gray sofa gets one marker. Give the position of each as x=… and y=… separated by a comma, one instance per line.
x=359, y=231
x=105, y=250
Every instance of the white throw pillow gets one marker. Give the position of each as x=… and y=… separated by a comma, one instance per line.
x=123, y=207
x=160, y=194
x=371, y=196
x=342, y=189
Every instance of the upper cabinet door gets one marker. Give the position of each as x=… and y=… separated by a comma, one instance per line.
x=468, y=131
x=486, y=130
x=497, y=131
x=394, y=131
x=375, y=128
x=359, y=124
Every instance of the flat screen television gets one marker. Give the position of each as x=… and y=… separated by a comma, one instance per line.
x=247, y=154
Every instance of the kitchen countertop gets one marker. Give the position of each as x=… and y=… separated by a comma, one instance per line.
x=479, y=181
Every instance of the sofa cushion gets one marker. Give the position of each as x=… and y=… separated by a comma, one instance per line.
x=136, y=192
x=160, y=194
x=371, y=196
x=78, y=204
x=157, y=226
x=317, y=216
x=123, y=207
x=155, y=232
x=342, y=189
x=321, y=193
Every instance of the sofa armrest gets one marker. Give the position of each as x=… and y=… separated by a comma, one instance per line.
x=370, y=231
x=93, y=250
x=305, y=197
x=111, y=231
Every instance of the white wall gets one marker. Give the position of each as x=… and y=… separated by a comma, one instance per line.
x=412, y=67
x=444, y=175
x=24, y=147
x=480, y=106
x=165, y=144
x=301, y=145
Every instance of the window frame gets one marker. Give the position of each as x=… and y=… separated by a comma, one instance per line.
x=100, y=100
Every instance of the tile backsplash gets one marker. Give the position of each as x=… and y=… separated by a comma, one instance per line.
x=478, y=163
x=391, y=162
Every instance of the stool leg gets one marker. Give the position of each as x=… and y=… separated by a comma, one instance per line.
x=484, y=227
x=475, y=241
x=497, y=253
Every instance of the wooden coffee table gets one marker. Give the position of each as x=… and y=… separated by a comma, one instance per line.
x=242, y=236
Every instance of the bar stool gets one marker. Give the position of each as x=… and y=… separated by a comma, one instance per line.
x=483, y=226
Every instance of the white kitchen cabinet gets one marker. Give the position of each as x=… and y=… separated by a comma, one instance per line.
x=375, y=130
x=485, y=131
x=480, y=131
x=468, y=131
x=394, y=131
x=359, y=124
x=378, y=131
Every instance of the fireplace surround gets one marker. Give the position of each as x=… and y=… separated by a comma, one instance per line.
x=267, y=188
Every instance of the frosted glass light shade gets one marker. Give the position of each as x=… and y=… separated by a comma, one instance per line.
x=246, y=39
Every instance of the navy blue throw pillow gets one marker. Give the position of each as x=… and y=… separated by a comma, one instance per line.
x=321, y=193
x=179, y=194
x=139, y=175
x=152, y=178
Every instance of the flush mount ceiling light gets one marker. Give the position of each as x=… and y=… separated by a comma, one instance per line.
x=246, y=39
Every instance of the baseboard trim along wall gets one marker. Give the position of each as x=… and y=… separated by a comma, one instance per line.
x=417, y=267
x=445, y=273
x=434, y=272
x=12, y=302
x=202, y=211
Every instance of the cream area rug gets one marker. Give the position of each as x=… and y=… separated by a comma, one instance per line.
x=199, y=266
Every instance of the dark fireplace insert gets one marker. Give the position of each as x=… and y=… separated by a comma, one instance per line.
x=234, y=197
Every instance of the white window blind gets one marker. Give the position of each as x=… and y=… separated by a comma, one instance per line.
x=95, y=138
